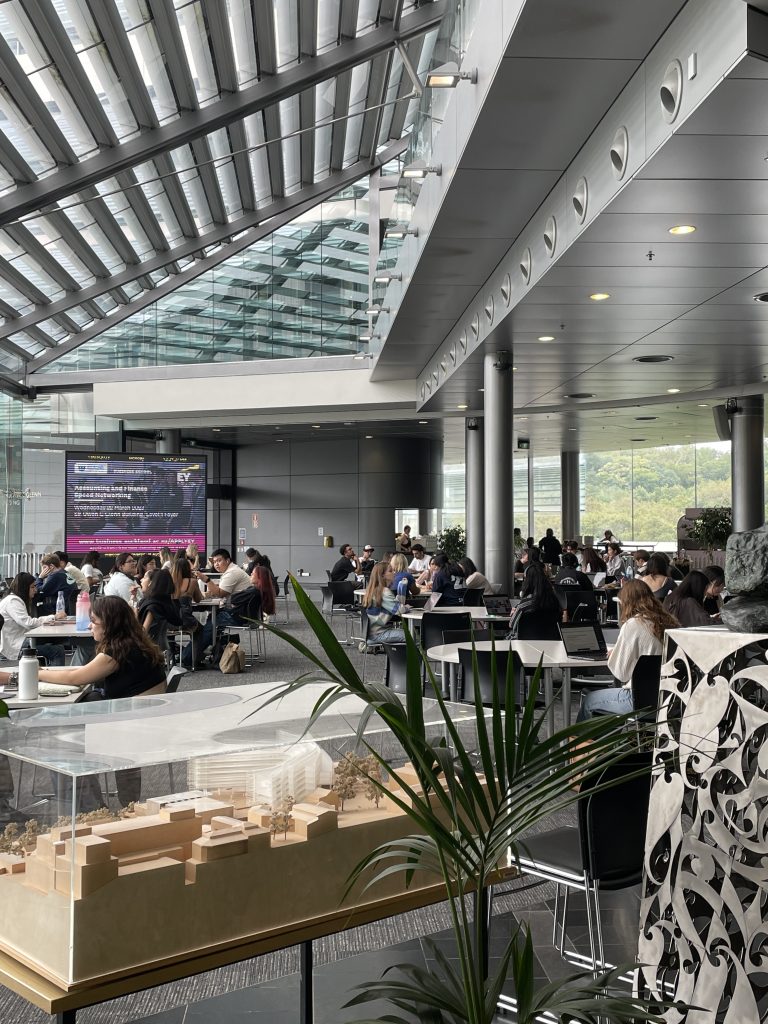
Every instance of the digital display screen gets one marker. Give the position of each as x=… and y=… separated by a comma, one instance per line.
x=136, y=503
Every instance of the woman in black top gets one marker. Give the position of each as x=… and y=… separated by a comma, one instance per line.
x=537, y=601
x=686, y=602
x=448, y=581
x=157, y=610
x=127, y=664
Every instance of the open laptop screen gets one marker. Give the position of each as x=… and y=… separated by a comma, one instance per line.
x=582, y=638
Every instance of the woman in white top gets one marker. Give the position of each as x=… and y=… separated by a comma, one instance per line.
x=473, y=578
x=614, y=566
x=90, y=568
x=15, y=609
x=644, y=622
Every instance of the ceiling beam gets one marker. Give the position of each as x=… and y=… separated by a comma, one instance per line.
x=195, y=123
x=273, y=217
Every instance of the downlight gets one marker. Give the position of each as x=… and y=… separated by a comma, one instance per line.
x=653, y=359
x=489, y=309
x=671, y=91
x=506, y=289
x=579, y=394
x=761, y=297
x=550, y=236
x=526, y=263
x=620, y=152
x=579, y=199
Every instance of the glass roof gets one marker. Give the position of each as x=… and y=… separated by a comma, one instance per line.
x=139, y=137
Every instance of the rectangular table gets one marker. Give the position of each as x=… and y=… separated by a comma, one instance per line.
x=551, y=653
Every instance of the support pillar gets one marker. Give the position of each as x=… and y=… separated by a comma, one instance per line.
x=170, y=443
x=747, y=463
x=475, y=489
x=569, y=495
x=498, y=469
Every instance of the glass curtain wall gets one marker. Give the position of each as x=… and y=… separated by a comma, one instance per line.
x=10, y=476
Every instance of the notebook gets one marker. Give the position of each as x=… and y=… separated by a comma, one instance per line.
x=584, y=640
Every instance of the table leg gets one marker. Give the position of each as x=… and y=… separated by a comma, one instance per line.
x=453, y=683
x=306, y=1009
x=565, y=696
x=446, y=677
x=549, y=696
x=66, y=1017
x=214, y=609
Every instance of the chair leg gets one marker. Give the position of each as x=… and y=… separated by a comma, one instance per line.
x=599, y=924
x=590, y=922
x=556, y=915
x=564, y=923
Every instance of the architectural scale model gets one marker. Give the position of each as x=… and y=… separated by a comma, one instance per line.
x=190, y=871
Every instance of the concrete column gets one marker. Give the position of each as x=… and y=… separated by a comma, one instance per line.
x=569, y=494
x=498, y=469
x=475, y=489
x=747, y=463
x=170, y=443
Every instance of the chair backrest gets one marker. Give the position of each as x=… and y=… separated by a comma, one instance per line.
x=247, y=603
x=173, y=678
x=433, y=624
x=327, y=599
x=581, y=605
x=612, y=822
x=473, y=597
x=464, y=636
x=395, y=675
x=537, y=625
x=286, y=584
x=485, y=661
x=158, y=631
x=343, y=592
x=646, y=678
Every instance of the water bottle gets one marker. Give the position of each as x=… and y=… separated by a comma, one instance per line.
x=61, y=610
x=82, y=611
x=28, y=676
x=402, y=591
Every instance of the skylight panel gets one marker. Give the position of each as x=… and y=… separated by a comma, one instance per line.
x=225, y=172
x=243, y=41
x=22, y=136
x=196, y=49
x=357, y=95
x=194, y=191
x=151, y=63
x=291, y=147
x=121, y=210
x=257, y=157
x=286, y=17
x=327, y=24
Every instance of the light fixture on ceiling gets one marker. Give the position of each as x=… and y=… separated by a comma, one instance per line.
x=573, y=428
x=375, y=310
x=682, y=229
x=369, y=437
x=638, y=439
x=315, y=426
x=546, y=337
x=462, y=406
x=673, y=391
x=423, y=423
x=645, y=419
x=652, y=359
x=702, y=405
x=761, y=297
x=385, y=277
x=600, y=296
x=579, y=394
x=401, y=232
x=481, y=389
x=448, y=76
x=365, y=338
x=216, y=430
x=279, y=440
x=420, y=170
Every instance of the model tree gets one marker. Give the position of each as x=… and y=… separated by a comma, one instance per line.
x=281, y=818
x=372, y=774
x=346, y=779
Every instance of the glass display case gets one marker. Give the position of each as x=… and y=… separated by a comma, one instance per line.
x=149, y=830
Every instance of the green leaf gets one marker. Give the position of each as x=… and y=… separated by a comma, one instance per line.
x=4, y=712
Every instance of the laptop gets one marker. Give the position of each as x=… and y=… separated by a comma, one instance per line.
x=432, y=601
x=498, y=605
x=584, y=640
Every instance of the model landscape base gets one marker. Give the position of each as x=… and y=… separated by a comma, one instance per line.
x=184, y=873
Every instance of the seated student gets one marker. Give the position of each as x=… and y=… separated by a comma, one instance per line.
x=713, y=602
x=656, y=577
x=72, y=571
x=157, y=609
x=252, y=555
x=448, y=581
x=185, y=584
x=643, y=623
x=420, y=561
x=193, y=555
x=53, y=581
x=381, y=606
x=122, y=582
x=569, y=574
x=686, y=602
x=614, y=564
x=233, y=580
x=366, y=561
x=165, y=557
x=591, y=561
x=346, y=565
x=127, y=663
x=640, y=560
x=16, y=610
x=402, y=582
x=145, y=563
x=263, y=580
x=91, y=570
x=473, y=578
x=537, y=601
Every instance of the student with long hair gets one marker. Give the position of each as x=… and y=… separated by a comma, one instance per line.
x=537, y=600
x=90, y=568
x=686, y=602
x=157, y=609
x=184, y=583
x=448, y=581
x=643, y=623
x=261, y=577
x=16, y=610
x=657, y=578
x=381, y=606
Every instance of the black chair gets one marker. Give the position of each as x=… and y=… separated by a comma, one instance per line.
x=581, y=605
x=646, y=679
x=537, y=625
x=485, y=662
x=604, y=852
x=173, y=678
x=395, y=675
x=339, y=597
x=473, y=597
x=246, y=604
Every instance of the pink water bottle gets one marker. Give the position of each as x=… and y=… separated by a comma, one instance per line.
x=82, y=611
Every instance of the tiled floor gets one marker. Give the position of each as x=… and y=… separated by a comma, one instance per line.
x=277, y=1002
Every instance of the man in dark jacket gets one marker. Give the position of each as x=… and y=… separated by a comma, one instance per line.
x=569, y=574
x=346, y=564
x=551, y=548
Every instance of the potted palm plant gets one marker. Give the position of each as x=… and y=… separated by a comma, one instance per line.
x=470, y=811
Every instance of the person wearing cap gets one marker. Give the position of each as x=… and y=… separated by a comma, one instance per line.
x=366, y=561
x=420, y=560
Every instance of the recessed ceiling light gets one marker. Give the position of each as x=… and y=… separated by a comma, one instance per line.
x=648, y=419
x=682, y=229
x=514, y=369
x=673, y=391
x=579, y=394
x=216, y=430
x=600, y=296
x=761, y=297
x=481, y=389
x=369, y=437
x=462, y=406
x=423, y=422
x=279, y=440
x=546, y=337
x=315, y=426
x=573, y=428
x=652, y=359
x=702, y=405
x=521, y=417
x=349, y=423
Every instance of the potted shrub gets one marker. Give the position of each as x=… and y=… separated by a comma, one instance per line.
x=470, y=809
x=712, y=528
x=453, y=541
